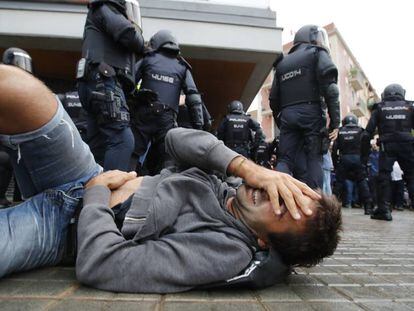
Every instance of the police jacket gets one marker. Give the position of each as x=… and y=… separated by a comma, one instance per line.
x=111, y=38
x=73, y=107
x=166, y=75
x=236, y=129
x=262, y=154
x=394, y=119
x=352, y=140
x=305, y=75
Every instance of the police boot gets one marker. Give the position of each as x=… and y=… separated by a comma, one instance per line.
x=382, y=212
x=368, y=209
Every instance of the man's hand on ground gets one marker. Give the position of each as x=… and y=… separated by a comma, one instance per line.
x=111, y=179
x=276, y=184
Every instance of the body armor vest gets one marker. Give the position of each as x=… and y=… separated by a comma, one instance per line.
x=395, y=120
x=262, y=153
x=296, y=75
x=237, y=131
x=349, y=140
x=99, y=47
x=164, y=75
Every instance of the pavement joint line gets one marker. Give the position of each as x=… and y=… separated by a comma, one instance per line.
x=336, y=265
x=376, y=300
x=323, y=273
x=344, y=285
x=354, y=273
x=307, y=284
x=363, y=265
x=328, y=300
x=380, y=285
x=389, y=265
x=404, y=300
x=406, y=284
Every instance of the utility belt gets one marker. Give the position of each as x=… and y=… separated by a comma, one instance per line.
x=148, y=100
x=107, y=101
x=310, y=102
x=71, y=247
x=85, y=68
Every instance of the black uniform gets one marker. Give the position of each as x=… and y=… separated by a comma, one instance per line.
x=304, y=83
x=262, y=154
x=164, y=75
x=105, y=74
x=394, y=118
x=236, y=132
x=350, y=155
x=73, y=107
x=184, y=118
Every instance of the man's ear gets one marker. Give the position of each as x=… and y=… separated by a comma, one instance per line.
x=262, y=243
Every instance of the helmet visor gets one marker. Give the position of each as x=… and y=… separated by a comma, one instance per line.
x=23, y=61
x=133, y=13
x=322, y=38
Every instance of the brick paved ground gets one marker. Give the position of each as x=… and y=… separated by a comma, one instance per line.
x=372, y=269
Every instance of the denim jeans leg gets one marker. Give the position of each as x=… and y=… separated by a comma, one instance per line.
x=33, y=233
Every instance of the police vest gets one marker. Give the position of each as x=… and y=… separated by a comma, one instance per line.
x=237, y=130
x=395, y=120
x=164, y=75
x=296, y=75
x=71, y=103
x=99, y=46
x=349, y=140
x=262, y=152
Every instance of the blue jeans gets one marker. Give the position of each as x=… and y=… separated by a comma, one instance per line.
x=51, y=164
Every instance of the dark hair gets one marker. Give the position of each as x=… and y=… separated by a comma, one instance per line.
x=319, y=239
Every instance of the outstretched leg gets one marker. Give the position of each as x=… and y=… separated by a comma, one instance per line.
x=51, y=165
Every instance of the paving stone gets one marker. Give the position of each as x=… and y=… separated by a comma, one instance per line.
x=26, y=304
x=91, y=293
x=81, y=305
x=136, y=297
x=329, y=306
x=43, y=288
x=235, y=294
x=9, y=287
x=37, y=274
x=278, y=293
x=358, y=293
x=208, y=306
x=288, y=306
x=383, y=306
x=62, y=274
x=300, y=279
x=317, y=293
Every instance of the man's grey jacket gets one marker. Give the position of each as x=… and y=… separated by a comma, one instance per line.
x=177, y=234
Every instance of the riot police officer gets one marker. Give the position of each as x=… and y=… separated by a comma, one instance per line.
x=184, y=118
x=73, y=106
x=350, y=155
x=164, y=73
x=302, y=78
x=111, y=41
x=262, y=153
x=236, y=130
x=394, y=118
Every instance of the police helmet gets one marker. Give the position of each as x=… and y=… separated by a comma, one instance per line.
x=236, y=106
x=393, y=91
x=350, y=119
x=19, y=58
x=164, y=39
x=312, y=34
